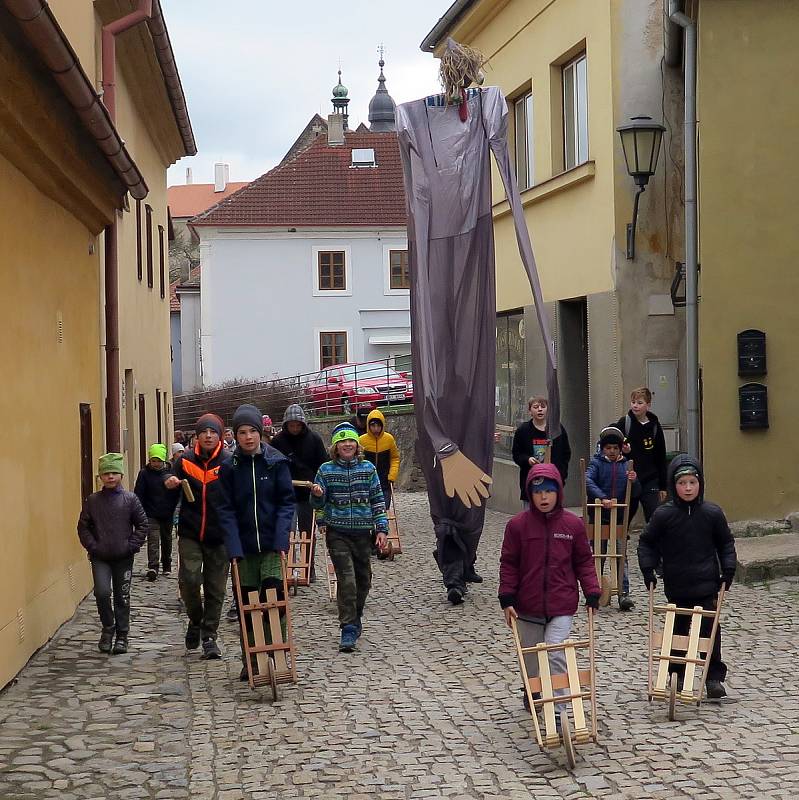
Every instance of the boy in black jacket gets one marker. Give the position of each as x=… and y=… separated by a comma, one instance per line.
x=645, y=445
x=693, y=539
x=530, y=443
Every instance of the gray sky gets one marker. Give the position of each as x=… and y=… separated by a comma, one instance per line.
x=255, y=71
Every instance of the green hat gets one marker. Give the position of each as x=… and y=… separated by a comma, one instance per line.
x=157, y=451
x=344, y=432
x=111, y=462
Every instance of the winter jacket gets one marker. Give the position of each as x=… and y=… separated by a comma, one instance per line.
x=305, y=453
x=525, y=441
x=352, y=500
x=692, y=539
x=605, y=480
x=381, y=450
x=543, y=556
x=257, y=507
x=112, y=524
x=199, y=520
x=158, y=501
x=647, y=448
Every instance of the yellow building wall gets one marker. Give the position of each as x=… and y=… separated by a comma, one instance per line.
x=571, y=217
x=46, y=269
x=749, y=126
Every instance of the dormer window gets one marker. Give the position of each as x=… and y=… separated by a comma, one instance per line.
x=363, y=157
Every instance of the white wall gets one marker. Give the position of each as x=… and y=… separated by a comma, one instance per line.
x=261, y=314
x=190, y=372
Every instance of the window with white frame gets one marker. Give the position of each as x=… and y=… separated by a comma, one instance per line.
x=332, y=348
x=575, y=112
x=523, y=118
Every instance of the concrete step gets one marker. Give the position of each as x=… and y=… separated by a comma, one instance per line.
x=763, y=558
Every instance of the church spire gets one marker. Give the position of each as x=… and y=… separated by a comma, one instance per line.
x=382, y=106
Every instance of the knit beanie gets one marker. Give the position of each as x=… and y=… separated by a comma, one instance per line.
x=247, y=414
x=542, y=484
x=266, y=421
x=111, y=462
x=177, y=448
x=157, y=451
x=211, y=421
x=611, y=435
x=685, y=469
x=294, y=413
x=343, y=432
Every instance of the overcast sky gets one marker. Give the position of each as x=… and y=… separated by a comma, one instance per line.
x=255, y=71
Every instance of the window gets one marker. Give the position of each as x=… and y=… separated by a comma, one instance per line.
x=138, y=240
x=523, y=115
x=399, y=276
x=149, y=233
x=332, y=348
x=86, y=455
x=332, y=275
x=575, y=112
x=161, y=266
x=158, y=418
x=363, y=157
x=142, y=431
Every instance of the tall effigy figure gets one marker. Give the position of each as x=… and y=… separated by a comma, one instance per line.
x=445, y=142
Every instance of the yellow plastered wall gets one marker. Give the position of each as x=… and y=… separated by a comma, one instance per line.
x=46, y=271
x=749, y=126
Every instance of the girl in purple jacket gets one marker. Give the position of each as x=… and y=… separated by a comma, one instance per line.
x=545, y=553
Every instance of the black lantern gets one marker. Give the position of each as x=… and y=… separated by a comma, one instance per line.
x=640, y=141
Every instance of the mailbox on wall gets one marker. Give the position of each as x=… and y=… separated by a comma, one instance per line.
x=753, y=406
x=752, y=353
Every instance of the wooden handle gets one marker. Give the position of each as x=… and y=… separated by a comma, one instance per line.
x=302, y=484
x=187, y=490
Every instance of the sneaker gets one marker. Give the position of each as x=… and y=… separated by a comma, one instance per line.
x=232, y=614
x=715, y=690
x=152, y=574
x=470, y=576
x=121, y=644
x=626, y=603
x=455, y=596
x=192, y=637
x=349, y=635
x=167, y=569
x=106, y=640
x=211, y=649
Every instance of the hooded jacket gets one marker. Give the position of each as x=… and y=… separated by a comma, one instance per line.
x=606, y=480
x=305, y=452
x=647, y=448
x=158, y=501
x=257, y=506
x=692, y=539
x=112, y=524
x=524, y=440
x=381, y=450
x=199, y=520
x=543, y=557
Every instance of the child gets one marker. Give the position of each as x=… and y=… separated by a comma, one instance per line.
x=347, y=492
x=257, y=511
x=159, y=505
x=645, y=445
x=530, y=444
x=544, y=553
x=112, y=527
x=606, y=480
x=692, y=538
x=380, y=448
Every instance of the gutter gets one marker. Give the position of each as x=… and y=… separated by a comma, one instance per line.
x=51, y=45
x=443, y=26
x=672, y=36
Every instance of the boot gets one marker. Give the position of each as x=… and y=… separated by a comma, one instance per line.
x=121, y=644
x=211, y=649
x=349, y=635
x=715, y=690
x=455, y=596
x=106, y=640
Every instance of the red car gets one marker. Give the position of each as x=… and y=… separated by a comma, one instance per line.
x=344, y=387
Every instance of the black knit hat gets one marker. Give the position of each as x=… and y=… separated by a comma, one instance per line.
x=211, y=421
x=248, y=414
x=611, y=435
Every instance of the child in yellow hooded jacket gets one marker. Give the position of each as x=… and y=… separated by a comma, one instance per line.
x=380, y=448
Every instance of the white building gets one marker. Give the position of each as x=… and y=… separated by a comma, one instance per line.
x=308, y=265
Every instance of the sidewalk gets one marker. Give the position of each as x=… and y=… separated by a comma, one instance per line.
x=427, y=707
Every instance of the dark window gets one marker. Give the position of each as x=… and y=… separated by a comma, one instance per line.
x=138, y=240
x=86, y=455
x=149, y=233
x=332, y=348
x=142, y=431
x=398, y=261
x=158, y=417
x=331, y=270
x=161, y=267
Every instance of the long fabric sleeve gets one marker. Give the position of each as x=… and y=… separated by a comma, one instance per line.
x=141, y=526
x=593, y=489
x=86, y=530
x=226, y=514
x=378, y=503
x=393, y=472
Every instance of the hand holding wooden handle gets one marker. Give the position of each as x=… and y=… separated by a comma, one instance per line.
x=187, y=490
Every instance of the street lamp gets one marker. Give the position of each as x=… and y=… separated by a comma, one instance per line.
x=640, y=141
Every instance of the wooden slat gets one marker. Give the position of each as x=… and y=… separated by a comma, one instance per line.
x=547, y=693
x=665, y=650
x=565, y=644
x=281, y=664
x=686, y=612
x=680, y=642
x=573, y=676
x=561, y=681
x=257, y=621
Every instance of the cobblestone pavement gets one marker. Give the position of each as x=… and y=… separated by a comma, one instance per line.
x=428, y=706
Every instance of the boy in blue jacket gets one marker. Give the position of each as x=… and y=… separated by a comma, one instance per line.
x=257, y=510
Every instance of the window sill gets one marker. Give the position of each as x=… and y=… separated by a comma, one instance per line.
x=552, y=186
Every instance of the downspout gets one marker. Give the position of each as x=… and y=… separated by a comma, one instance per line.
x=672, y=37
x=691, y=228
x=113, y=429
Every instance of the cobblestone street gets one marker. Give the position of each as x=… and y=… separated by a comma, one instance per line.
x=428, y=706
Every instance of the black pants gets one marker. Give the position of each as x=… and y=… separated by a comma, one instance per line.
x=387, y=493
x=649, y=500
x=114, y=575
x=455, y=554
x=717, y=669
x=159, y=544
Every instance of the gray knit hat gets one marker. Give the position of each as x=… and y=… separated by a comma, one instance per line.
x=247, y=414
x=294, y=413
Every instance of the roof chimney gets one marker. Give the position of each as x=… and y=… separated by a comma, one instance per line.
x=335, y=129
x=221, y=174
x=189, y=180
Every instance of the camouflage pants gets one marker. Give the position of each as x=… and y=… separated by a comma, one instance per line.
x=258, y=573
x=351, y=556
x=207, y=566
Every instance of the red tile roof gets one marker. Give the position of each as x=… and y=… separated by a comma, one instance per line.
x=320, y=187
x=193, y=198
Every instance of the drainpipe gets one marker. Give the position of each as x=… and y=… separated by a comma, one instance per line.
x=113, y=406
x=691, y=238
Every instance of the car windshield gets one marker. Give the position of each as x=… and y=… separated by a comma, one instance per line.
x=370, y=372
